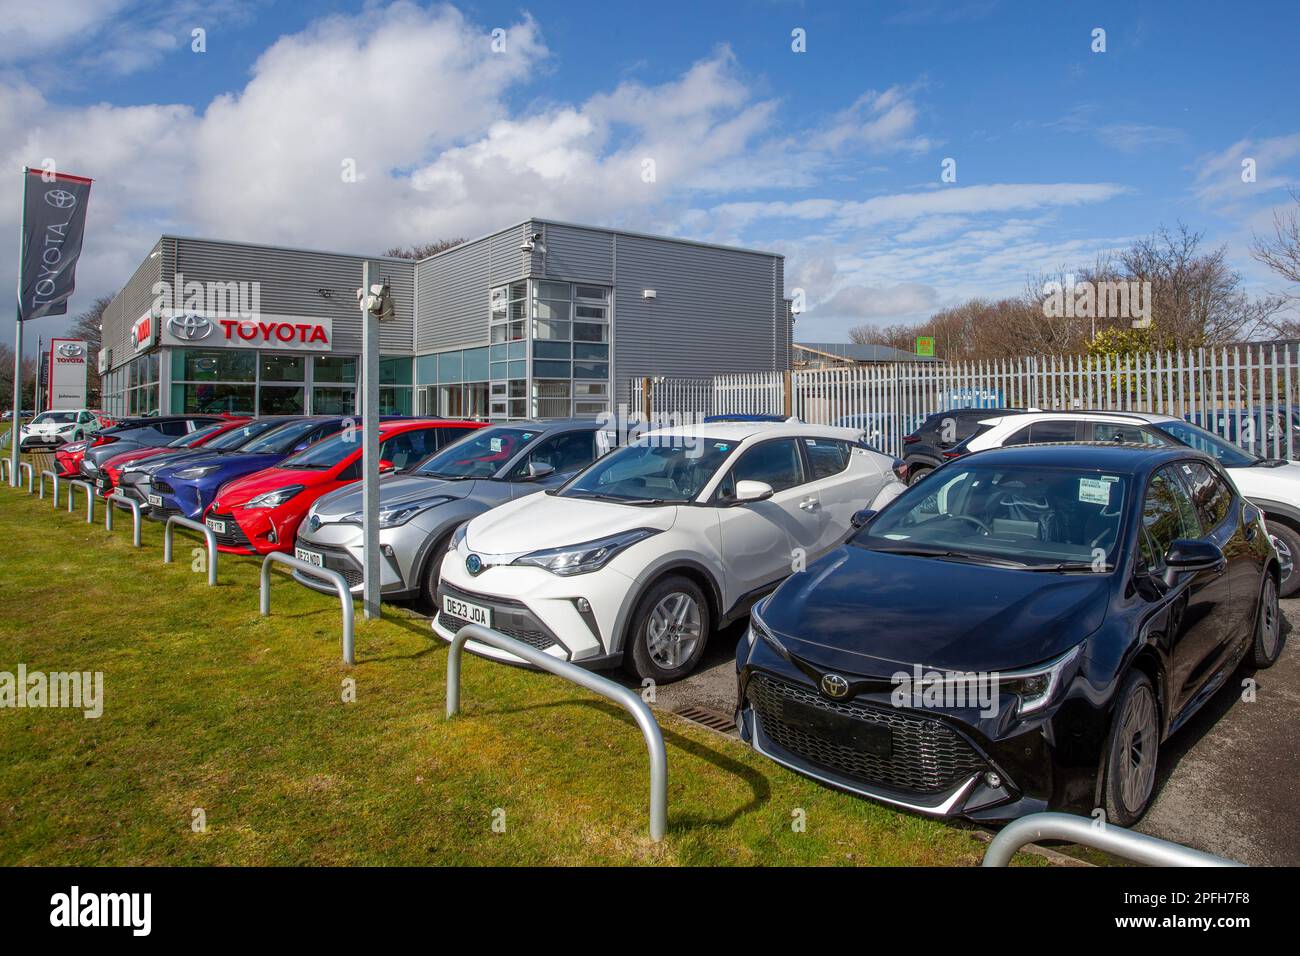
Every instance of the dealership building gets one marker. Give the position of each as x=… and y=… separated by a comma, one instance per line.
x=542, y=319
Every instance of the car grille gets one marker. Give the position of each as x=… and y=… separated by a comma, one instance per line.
x=233, y=536
x=163, y=512
x=927, y=756
x=511, y=618
x=162, y=488
x=336, y=559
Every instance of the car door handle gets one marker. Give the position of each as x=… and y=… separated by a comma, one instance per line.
x=808, y=504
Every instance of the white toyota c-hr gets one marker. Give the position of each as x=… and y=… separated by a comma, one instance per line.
x=645, y=553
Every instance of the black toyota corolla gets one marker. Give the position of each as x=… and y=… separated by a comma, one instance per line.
x=1019, y=632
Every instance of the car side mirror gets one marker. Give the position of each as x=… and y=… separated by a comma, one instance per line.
x=386, y=466
x=753, y=491
x=862, y=516
x=539, y=469
x=1189, y=554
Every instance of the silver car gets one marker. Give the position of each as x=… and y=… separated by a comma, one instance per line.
x=419, y=510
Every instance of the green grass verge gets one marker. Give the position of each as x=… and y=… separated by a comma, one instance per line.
x=208, y=705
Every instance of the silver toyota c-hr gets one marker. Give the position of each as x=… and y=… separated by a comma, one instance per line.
x=419, y=510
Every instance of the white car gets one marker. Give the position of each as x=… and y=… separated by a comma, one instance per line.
x=1271, y=484
x=51, y=429
x=649, y=550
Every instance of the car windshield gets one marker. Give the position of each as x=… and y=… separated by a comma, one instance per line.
x=186, y=441
x=328, y=452
x=281, y=440
x=54, y=418
x=1040, y=518
x=238, y=437
x=480, y=454
x=1229, y=455
x=657, y=468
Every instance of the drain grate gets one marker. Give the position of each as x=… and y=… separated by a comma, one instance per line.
x=707, y=717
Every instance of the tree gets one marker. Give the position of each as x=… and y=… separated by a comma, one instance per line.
x=7, y=379
x=89, y=326
x=1281, y=253
x=424, y=250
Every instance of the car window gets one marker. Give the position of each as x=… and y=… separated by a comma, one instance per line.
x=775, y=462
x=407, y=448
x=1212, y=498
x=1125, y=433
x=826, y=456
x=174, y=428
x=1167, y=514
x=1046, y=431
x=1020, y=437
x=567, y=451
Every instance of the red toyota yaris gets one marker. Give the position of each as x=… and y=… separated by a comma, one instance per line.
x=112, y=468
x=259, y=513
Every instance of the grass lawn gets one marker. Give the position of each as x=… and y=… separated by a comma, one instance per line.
x=207, y=705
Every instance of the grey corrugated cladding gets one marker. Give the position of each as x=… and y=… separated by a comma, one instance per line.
x=715, y=310
x=453, y=289
x=574, y=253
x=292, y=281
x=133, y=301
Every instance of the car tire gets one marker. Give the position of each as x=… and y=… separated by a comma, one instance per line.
x=668, y=631
x=916, y=474
x=429, y=577
x=1132, y=751
x=1267, y=646
x=1287, y=543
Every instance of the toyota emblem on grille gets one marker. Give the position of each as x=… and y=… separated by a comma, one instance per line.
x=314, y=522
x=833, y=685
x=474, y=564
x=190, y=328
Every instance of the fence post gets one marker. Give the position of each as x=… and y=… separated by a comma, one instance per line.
x=788, y=387
x=646, y=403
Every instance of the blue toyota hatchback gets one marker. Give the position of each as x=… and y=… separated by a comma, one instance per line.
x=188, y=487
x=1020, y=632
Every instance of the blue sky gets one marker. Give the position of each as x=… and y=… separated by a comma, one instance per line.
x=832, y=156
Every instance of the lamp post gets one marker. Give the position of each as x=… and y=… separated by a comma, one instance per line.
x=376, y=302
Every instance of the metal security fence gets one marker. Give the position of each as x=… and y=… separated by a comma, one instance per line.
x=1247, y=394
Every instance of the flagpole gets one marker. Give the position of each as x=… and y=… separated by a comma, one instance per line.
x=14, y=423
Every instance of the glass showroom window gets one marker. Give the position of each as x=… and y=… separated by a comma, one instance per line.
x=454, y=384
x=395, y=381
x=570, y=349
x=214, y=380
x=334, y=385
x=142, y=385
x=281, y=388
x=508, y=352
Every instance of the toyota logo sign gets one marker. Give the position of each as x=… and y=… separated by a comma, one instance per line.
x=833, y=685
x=190, y=328
x=60, y=198
x=71, y=350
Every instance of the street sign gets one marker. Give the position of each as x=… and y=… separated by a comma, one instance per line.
x=925, y=345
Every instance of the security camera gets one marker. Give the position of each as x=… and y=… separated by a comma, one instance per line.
x=531, y=242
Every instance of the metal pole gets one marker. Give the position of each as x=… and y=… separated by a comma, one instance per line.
x=370, y=448
x=324, y=574
x=18, y=343
x=629, y=701
x=1084, y=830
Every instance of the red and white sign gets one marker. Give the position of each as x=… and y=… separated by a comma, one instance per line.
x=144, y=332
x=292, y=333
x=68, y=366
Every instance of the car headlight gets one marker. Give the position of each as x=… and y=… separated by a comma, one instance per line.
x=757, y=627
x=585, y=557
x=394, y=515
x=198, y=471
x=1036, y=686
x=273, y=499
x=458, y=536
x=67, y=428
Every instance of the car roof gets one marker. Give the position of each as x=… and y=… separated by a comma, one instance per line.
x=1149, y=417
x=740, y=431
x=1088, y=456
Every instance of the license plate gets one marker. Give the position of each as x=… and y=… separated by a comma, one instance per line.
x=842, y=730
x=218, y=526
x=104, y=483
x=311, y=557
x=155, y=501
x=474, y=613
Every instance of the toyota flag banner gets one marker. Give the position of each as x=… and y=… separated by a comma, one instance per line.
x=54, y=222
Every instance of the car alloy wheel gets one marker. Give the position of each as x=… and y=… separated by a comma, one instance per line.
x=1285, y=559
x=674, y=630
x=1139, y=740
x=1268, y=632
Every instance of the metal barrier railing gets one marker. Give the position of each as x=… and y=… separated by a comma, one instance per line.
x=178, y=520
x=137, y=517
x=54, y=475
x=1128, y=844
x=90, y=498
x=325, y=574
x=26, y=467
x=628, y=700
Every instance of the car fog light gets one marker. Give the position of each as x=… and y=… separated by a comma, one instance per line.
x=386, y=550
x=584, y=606
x=992, y=780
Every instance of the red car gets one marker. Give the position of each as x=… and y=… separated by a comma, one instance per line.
x=108, y=474
x=67, y=458
x=260, y=513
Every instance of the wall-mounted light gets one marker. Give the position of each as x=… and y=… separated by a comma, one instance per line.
x=649, y=294
x=325, y=293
